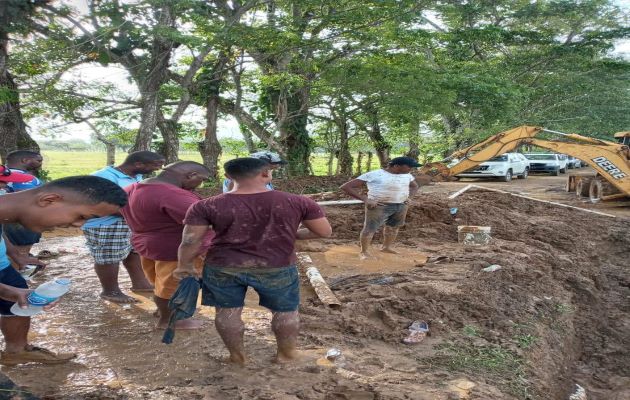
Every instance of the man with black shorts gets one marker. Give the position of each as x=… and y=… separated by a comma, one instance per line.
x=255, y=230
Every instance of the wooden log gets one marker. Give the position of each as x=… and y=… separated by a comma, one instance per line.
x=322, y=290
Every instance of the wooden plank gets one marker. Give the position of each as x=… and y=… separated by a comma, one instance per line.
x=460, y=191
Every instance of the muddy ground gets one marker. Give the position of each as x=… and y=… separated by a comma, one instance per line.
x=556, y=314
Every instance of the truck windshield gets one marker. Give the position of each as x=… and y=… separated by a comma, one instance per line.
x=540, y=156
x=499, y=158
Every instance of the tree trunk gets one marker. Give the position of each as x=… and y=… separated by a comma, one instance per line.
x=331, y=160
x=210, y=148
x=344, y=156
x=359, y=161
x=248, y=138
x=414, y=149
x=170, y=144
x=161, y=49
x=369, y=161
x=291, y=114
x=13, y=135
x=380, y=144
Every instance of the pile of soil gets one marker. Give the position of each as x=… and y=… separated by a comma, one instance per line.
x=555, y=314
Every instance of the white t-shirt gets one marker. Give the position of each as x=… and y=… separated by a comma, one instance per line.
x=386, y=187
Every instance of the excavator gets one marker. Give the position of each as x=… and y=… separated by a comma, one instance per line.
x=611, y=160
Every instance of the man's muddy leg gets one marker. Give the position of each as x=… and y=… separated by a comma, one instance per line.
x=164, y=314
x=231, y=329
x=366, y=241
x=108, y=276
x=15, y=332
x=286, y=326
x=389, y=237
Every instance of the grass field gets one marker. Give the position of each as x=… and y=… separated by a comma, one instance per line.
x=67, y=163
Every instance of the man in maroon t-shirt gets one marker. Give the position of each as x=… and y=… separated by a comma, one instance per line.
x=155, y=214
x=255, y=229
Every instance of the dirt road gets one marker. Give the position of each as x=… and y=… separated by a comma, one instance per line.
x=556, y=314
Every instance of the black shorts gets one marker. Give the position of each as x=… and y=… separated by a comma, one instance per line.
x=9, y=276
x=20, y=236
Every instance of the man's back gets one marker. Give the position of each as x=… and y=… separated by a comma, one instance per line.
x=253, y=230
x=155, y=214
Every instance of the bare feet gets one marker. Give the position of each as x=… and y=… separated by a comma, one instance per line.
x=388, y=250
x=118, y=297
x=237, y=358
x=183, y=324
x=293, y=357
x=364, y=255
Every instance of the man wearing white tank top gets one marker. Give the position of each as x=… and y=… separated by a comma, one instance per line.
x=386, y=200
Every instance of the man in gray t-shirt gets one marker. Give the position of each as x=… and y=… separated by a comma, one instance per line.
x=386, y=200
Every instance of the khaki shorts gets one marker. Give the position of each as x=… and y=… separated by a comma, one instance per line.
x=391, y=214
x=160, y=274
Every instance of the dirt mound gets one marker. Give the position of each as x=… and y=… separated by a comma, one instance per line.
x=428, y=217
x=556, y=313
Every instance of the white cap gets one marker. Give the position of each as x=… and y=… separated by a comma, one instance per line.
x=271, y=158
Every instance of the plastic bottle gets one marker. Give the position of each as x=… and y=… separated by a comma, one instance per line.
x=44, y=294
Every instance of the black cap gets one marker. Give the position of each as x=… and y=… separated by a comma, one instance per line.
x=408, y=161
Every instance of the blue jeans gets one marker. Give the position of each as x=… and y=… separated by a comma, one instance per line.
x=278, y=288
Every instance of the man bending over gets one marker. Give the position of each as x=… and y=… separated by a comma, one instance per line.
x=62, y=203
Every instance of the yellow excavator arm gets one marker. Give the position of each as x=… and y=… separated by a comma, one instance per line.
x=611, y=160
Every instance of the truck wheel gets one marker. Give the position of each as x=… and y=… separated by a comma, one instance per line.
x=563, y=170
x=508, y=176
x=555, y=172
x=524, y=175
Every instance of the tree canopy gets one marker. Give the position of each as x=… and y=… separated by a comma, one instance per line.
x=417, y=77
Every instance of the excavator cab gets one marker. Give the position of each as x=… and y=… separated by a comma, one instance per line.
x=623, y=137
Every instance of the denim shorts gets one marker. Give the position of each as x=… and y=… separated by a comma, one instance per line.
x=391, y=214
x=20, y=236
x=10, y=277
x=278, y=288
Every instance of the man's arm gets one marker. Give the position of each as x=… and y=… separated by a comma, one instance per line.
x=192, y=238
x=20, y=259
x=413, y=188
x=353, y=187
x=16, y=295
x=315, y=229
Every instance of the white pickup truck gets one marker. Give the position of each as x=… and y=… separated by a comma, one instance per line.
x=547, y=162
x=505, y=167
